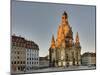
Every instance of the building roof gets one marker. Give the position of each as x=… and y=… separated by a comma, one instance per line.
x=20, y=41
x=89, y=54
x=65, y=14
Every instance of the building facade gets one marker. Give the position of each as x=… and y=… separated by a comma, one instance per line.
x=43, y=62
x=88, y=59
x=32, y=55
x=64, y=51
x=24, y=54
x=18, y=56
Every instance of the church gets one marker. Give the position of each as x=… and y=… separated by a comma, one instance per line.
x=64, y=50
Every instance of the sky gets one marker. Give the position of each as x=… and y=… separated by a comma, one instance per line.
x=39, y=21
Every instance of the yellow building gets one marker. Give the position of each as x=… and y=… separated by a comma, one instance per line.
x=64, y=51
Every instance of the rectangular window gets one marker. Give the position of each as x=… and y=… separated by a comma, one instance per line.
x=18, y=62
x=14, y=62
x=18, y=57
x=17, y=52
x=23, y=62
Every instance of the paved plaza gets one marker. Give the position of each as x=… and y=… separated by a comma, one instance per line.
x=54, y=69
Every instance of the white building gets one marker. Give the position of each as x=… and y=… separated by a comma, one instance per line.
x=32, y=55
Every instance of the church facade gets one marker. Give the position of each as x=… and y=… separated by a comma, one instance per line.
x=64, y=50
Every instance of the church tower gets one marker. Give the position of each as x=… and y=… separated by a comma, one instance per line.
x=77, y=42
x=53, y=42
x=52, y=53
x=78, y=49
